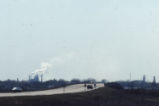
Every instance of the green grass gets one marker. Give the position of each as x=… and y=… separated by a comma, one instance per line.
x=101, y=97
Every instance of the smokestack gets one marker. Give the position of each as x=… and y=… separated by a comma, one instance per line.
x=144, y=78
x=154, y=79
x=41, y=77
x=17, y=80
x=130, y=76
x=29, y=77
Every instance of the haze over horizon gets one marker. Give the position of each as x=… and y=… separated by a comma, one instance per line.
x=80, y=38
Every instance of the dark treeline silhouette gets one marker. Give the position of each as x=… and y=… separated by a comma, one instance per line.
x=6, y=86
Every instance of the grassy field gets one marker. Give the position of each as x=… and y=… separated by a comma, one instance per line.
x=101, y=97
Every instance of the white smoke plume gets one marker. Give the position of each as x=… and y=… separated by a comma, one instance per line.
x=54, y=63
x=43, y=69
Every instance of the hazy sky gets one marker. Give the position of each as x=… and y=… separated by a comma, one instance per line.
x=80, y=38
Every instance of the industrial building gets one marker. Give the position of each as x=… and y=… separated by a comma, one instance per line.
x=35, y=78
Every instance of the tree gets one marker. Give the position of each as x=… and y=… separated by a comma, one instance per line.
x=75, y=81
x=104, y=81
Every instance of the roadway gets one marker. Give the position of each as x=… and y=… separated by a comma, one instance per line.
x=68, y=89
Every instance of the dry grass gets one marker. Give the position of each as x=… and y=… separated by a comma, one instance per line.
x=101, y=97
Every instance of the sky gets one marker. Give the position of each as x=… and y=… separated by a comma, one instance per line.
x=102, y=39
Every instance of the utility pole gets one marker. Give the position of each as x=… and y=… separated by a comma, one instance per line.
x=130, y=83
x=130, y=76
